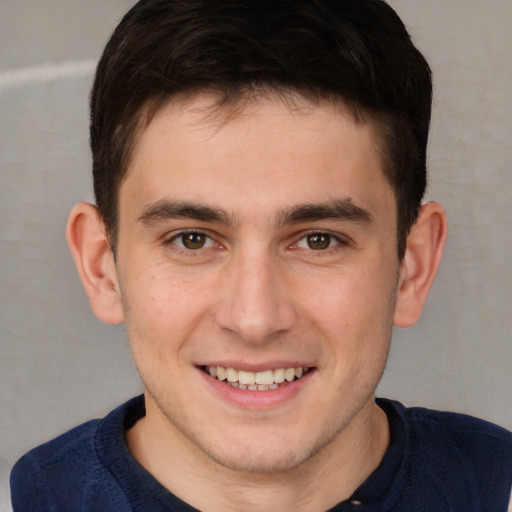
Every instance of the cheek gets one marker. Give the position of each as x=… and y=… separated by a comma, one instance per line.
x=350, y=300
x=354, y=316
x=163, y=307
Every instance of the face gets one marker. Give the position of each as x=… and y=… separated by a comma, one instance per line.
x=257, y=269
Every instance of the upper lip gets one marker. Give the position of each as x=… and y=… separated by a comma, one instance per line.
x=257, y=367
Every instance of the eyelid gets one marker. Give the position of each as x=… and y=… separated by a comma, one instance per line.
x=171, y=239
x=336, y=237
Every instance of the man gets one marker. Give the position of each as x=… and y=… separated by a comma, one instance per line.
x=259, y=169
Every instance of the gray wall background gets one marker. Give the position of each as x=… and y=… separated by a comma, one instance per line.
x=60, y=366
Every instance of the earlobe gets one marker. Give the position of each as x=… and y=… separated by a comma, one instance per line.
x=425, y=245
x=94, y=260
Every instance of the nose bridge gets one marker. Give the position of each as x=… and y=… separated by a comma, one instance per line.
x=255, y=302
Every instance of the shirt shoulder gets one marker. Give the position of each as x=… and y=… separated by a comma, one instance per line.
x=65, y=474
x=462, y=458
x=471, y=438
x=91, y=468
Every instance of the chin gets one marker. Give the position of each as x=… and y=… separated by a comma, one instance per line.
x=264, y=454
x=259, y=461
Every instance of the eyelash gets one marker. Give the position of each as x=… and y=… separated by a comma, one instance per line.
x=186, y=250
x=334, y=242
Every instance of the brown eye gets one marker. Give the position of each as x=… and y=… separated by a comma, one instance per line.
x=192, y=240
x=318, y=241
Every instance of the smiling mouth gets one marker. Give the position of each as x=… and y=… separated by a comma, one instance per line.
x=256, y=381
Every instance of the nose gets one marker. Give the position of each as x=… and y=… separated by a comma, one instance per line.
x=255, y=301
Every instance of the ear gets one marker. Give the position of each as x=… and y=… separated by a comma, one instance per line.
x=425, y=245
x=90, y=247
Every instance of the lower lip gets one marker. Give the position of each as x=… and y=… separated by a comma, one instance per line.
x=256, y=399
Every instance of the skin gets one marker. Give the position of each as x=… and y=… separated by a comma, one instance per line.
x=258, y=295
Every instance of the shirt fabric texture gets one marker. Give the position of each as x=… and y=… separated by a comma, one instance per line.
x=436, y=462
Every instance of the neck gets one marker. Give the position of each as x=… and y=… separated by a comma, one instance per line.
x=325, y=479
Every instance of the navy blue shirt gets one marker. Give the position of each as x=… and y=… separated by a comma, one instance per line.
x=436, y=462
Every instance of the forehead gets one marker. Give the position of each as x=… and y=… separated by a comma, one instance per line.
x=241, y=153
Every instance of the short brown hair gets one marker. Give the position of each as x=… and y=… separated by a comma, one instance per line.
x=355, y=51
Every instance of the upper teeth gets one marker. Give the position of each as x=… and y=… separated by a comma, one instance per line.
x=266, y=378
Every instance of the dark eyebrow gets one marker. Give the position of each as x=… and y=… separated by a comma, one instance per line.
x=340, y=209
x=164, y=210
